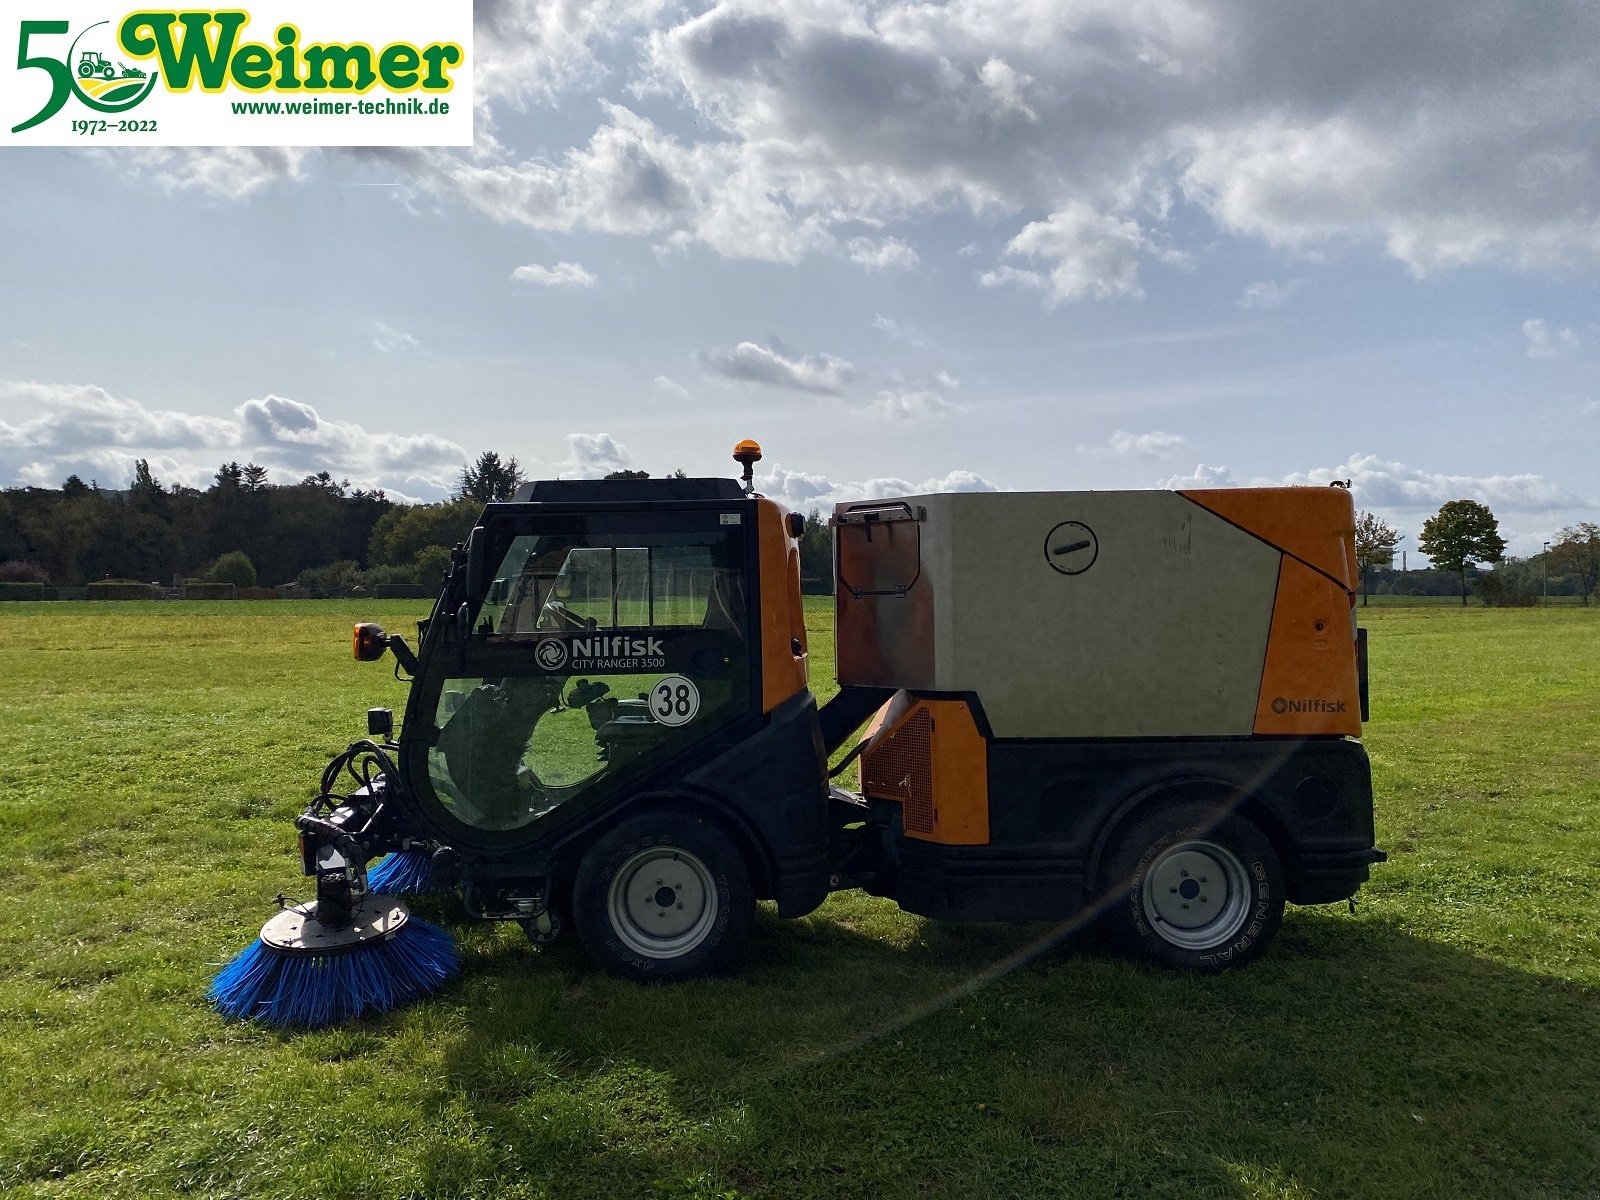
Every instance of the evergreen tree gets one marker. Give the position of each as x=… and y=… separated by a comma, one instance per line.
x=490, y=479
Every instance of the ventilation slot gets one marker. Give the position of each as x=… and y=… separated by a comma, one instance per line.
x=901, y=768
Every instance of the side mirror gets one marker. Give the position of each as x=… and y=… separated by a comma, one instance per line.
x=368, y=642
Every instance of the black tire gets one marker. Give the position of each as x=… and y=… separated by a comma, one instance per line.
x=663, y=896
x=1194, y=890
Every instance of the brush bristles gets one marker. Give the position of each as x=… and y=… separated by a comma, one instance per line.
x=309, y=990
x=403, y=873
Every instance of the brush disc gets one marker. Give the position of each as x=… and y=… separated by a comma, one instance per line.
x=303, y=973
x=297, y=930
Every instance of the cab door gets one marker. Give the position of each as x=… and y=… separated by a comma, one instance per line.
x=602, y=651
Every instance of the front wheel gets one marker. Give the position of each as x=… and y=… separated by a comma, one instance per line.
x=1194, y=890
x=664, y=895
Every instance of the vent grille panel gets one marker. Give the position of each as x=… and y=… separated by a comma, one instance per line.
x=901, y=768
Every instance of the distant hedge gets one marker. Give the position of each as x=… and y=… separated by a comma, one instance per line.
x=209, y=591
x=402, y=591
x=21, y=591
x=120, y=589
x=258, y=593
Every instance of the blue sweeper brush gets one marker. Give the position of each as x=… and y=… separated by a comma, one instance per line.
x=306, y=972
x=405, y=873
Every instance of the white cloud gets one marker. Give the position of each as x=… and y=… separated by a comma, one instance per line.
x=803, y=491
x=1090, y=255
x=1459, y=135
x=535, y=50
x=1543, y=341
x=387, y=339
x=231, y=173
x=562, y=275
x=1378, y=483
x=592, y=456
x=1003, y=276
x=1457, y=141
x=1156, y=444
x=774, y=365
x=86, y=430
x=668, y=386
x=909, y=404
x=882, y=254
x=1268, y=294
x=1201, y=477
x=900, y=331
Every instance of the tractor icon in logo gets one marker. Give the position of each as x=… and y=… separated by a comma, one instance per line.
x=551, y=654
x=100, y=81
x=94, y=63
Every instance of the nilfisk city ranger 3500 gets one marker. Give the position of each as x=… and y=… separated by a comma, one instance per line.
x=1138, y=705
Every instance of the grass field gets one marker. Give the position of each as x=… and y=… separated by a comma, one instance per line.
x=1442, y=1041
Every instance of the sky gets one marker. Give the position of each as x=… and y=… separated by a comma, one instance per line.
x=1026, y=244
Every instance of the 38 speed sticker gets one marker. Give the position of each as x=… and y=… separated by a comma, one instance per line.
x=674, y=700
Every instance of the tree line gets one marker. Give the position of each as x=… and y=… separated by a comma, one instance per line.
x=245, y=530
x=322, y=533
x=1465, y=534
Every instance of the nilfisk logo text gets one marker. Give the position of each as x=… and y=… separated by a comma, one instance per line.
x=282, y=73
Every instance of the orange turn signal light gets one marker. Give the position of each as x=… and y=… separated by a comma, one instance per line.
x=368, y=642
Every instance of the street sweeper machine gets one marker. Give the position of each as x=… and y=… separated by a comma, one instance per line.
x=1141, y=708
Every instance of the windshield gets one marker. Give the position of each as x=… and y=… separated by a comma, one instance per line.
x=598, y=651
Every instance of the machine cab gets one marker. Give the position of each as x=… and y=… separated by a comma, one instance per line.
x=595, y=633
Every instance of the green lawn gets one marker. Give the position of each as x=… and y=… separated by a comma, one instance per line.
x=1443, y=1041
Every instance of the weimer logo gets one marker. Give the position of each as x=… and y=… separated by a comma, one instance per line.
x=366, y=72
x=1281, y=706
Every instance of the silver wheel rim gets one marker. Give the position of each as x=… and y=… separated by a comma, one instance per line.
x=1197, y=895
x=662, y=902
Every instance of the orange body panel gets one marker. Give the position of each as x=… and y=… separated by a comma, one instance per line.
x=784, y=673
x=1308, y=683
x=1315, y=525
x=930, y=758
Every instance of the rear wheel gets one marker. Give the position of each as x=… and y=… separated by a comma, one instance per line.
x=664, y=895
x=1193, y=889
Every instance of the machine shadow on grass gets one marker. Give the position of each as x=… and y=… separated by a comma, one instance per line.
x=988, y=1060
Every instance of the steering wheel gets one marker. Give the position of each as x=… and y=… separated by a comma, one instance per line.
x=566, y=620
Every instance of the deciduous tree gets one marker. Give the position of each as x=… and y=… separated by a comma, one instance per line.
x=1461, y=533
x=403, y=532
x=1375, y=545
x=233, y=567
x=1576, y=551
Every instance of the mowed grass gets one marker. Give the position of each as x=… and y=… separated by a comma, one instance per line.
x=1442, y=1041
